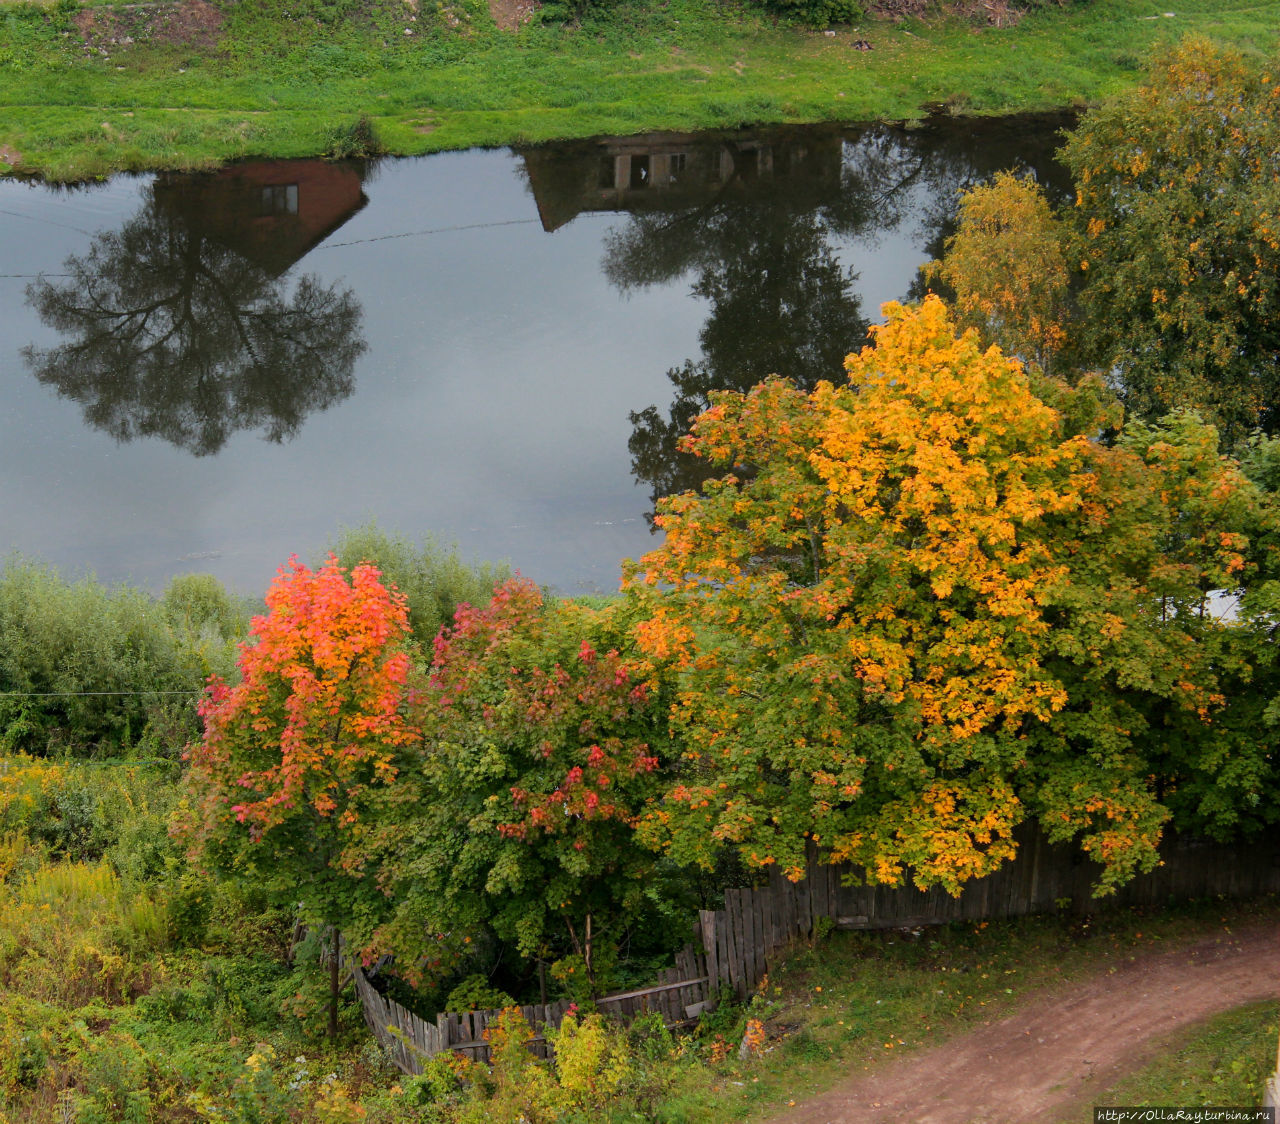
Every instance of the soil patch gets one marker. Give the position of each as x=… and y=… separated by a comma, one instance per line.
x=189, y=23
x=1062, y=1048
x=511, y=15
x=10, y=156
x=996, y=13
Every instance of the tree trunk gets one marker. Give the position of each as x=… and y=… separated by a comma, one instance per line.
x=334, y=965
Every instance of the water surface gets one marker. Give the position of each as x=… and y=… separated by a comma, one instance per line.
x=499, y=348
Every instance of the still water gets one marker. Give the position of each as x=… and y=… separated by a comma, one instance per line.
x=498, y=348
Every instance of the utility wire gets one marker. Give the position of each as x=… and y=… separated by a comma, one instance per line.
x=449, y=229
x=433, y=230
x=48, y=222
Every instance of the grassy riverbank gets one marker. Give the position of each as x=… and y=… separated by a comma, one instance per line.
x=90, y=90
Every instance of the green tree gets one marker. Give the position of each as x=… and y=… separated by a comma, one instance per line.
x=516, y=819
x=1177, y=232
x=433, y=578
x=95, y=670
x=919, y=607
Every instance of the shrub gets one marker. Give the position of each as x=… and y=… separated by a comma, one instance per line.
x=595, y=1075
x=92, y=670
x=817, y=13
x=357, y=141
x=476, y=993
x=434, y=579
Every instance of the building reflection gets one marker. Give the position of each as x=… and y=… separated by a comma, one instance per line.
x=187, y=323
x=270, y=212
x=675, y=171
x=761, y=224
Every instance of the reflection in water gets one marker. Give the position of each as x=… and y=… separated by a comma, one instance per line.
x=182, y=324
x=754, y=218
x=502, y=364
x=751, y=217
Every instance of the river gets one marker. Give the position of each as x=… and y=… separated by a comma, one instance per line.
x=211, y=372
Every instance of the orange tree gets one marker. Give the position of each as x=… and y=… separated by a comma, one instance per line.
x=514, y=819
x=920, y=606
x=290, y=754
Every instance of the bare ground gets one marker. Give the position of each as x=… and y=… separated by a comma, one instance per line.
x=188, y=23
x=1063, y=1048
x=510, y=15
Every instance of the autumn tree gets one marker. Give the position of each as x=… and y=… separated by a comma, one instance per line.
x=291, y=753
x=1177, y=232
x=514, y=819
x=1006, y=266
x=1171, y=252
x=917, y=608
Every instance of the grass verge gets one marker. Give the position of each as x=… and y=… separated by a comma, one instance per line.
x=856, y=1000
x=88, y=91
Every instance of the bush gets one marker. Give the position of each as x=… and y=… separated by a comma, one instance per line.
x=595, y=1075
x=433, y=578
x=357, y=141
x=476, y=993
x=817, y=13
x=92, y=670
x=88, y=812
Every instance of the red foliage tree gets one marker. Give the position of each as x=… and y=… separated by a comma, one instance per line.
x=291, y=752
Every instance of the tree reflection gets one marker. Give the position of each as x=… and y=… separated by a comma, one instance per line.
x=762, y=250
x=781, y=303
x=182, y=325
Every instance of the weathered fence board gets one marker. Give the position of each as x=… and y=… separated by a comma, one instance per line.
x=735, y=946
x=741, y=941
x=409, y=1040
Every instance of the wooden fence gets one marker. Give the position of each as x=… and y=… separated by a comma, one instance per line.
x=681, y=994
x=741, y=942
x=743, y=939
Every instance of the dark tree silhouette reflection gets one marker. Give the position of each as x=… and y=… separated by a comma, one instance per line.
x=780, y=304
x=761, y=244
x=183, y=324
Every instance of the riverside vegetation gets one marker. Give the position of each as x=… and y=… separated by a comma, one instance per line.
x=135, y=987
x=87, y=89
x=969, y=586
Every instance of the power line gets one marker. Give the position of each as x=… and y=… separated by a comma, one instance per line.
x=433, y=230
x=48, y=222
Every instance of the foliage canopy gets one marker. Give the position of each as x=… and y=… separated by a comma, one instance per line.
x=915, y=608
x=515, y=814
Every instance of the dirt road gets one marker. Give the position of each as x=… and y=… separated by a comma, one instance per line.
x=1061, y=1047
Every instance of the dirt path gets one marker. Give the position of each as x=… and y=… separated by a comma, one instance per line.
x=1060, y=1049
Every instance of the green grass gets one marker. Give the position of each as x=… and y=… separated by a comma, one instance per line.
x=1224, y=1060
x=282, y=84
